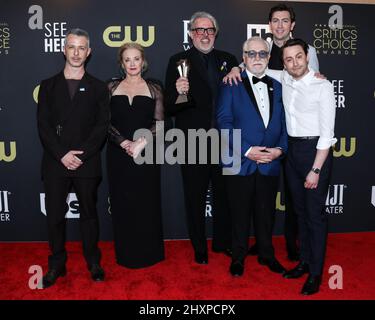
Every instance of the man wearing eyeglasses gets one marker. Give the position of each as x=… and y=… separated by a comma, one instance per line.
x=255, y=107
x=282, y=21
x=206, y=68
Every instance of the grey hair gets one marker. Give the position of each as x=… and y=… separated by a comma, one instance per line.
x=252, y=39
x=80, y=33
x=202, y=14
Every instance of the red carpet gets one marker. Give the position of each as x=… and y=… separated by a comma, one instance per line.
x=178, y=277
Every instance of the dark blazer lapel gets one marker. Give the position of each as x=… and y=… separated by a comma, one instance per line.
x=270, y=95
x=249, y=90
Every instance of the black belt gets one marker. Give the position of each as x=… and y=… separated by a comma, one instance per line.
x=303, y=138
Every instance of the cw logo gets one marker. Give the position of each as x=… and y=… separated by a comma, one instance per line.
x=279, y=205
x=8, y=157
x=113, y=37
x=342, y=151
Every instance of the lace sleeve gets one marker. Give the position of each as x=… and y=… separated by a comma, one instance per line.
x=157, y=94
x=113, y=134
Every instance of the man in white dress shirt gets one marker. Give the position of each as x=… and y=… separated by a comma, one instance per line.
x=310, y=118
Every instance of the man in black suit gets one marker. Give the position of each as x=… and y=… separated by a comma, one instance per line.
x=207, y=67
x=73, y=118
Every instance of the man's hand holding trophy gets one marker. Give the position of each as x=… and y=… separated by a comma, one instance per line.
x=182, y=83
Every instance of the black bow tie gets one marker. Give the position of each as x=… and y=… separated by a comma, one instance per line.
x=256, y=80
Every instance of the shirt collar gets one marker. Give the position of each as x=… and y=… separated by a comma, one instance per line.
x=306, y=79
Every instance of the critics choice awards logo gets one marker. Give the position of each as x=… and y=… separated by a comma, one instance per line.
x=334, y=41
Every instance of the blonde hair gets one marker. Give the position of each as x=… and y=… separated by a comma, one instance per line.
x=132, y=45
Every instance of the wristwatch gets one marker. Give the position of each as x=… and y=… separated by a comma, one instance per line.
x=315, y=170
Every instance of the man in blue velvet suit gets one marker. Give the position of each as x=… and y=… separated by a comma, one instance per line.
x=255, y=107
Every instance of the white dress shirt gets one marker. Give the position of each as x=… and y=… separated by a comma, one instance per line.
x=260, y=90
x=310, y=107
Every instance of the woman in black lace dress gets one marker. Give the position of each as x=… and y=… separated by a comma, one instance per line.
x=134, y=189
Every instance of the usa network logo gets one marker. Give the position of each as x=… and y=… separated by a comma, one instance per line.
x=71, y=200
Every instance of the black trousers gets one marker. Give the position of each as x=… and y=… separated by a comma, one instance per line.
x=56, y=190
x=291, y=220
x=255, y=194
x=196, y=179
x=309, y=203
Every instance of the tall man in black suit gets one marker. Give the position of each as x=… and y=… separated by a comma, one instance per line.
x=73, y=118
x=207, y=67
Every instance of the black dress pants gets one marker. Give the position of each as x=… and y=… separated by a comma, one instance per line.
x=196, y=179
x=254, y=193
x=56, y=190
x=309, y=203
x=291, y=220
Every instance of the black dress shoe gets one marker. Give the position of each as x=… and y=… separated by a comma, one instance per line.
x=298, y=271
x=273, y=265
x=201, y=258
x=253, y=251
x=97, y=272
x=311, y=285
x=226, y=251
x=236, y=268
x=51, y=276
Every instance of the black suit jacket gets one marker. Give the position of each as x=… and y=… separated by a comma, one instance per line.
x=84, y=122
x=198, y=111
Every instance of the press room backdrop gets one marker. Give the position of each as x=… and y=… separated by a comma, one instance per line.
x=31, y=39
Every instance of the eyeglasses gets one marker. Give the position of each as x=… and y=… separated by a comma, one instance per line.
x=201, y=31
x=263, y=54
